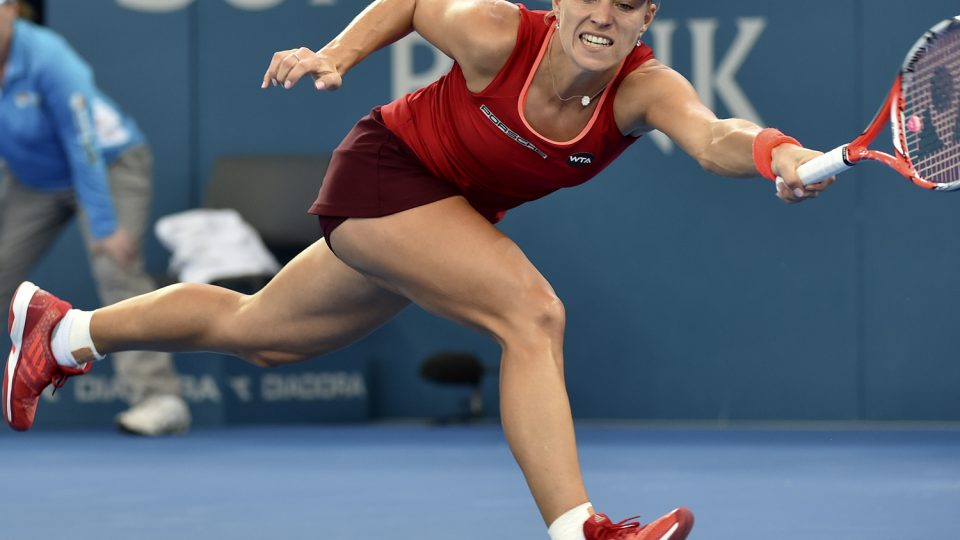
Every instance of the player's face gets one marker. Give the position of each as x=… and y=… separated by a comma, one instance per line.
x=598, y=34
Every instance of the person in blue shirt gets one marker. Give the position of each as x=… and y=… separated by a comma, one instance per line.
x=66, y=149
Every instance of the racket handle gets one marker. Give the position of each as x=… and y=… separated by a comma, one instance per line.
x=822, y=167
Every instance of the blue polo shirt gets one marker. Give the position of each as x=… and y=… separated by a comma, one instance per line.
x=57, y=130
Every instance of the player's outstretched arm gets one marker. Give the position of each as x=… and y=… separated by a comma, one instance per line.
x=663, y=99
x=463, y=29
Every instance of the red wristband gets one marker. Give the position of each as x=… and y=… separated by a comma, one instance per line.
x=763, y=146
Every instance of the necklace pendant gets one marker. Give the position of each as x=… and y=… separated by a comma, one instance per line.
x=585, y=100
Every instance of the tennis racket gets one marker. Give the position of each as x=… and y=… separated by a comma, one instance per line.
x=923, y=108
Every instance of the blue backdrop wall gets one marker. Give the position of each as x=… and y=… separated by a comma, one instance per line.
x=689, y=296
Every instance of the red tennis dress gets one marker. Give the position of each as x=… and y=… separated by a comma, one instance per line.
x=445, y=140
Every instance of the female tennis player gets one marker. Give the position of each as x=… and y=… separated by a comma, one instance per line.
x=536, y=101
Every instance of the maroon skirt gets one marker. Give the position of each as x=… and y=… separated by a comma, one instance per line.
x=372, y=173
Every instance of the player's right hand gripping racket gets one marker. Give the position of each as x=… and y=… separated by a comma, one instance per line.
x=924, y=111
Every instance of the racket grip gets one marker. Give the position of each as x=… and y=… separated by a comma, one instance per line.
x=822, y=167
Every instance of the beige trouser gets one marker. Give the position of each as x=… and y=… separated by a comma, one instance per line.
x=31, y=220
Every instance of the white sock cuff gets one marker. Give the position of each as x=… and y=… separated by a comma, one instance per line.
x=60, y=340
x=80, y=338
x=71, y=342
x=569, y=526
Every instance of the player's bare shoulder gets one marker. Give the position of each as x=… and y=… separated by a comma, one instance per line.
x=650, y=78
x=646, y=86
x=488, y=30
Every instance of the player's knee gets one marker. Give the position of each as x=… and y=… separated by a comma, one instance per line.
x=538, y=319
x=550, y=316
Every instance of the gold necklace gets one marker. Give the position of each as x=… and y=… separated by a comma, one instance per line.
x=584, y=100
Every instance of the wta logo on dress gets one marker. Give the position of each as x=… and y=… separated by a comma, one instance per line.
x=581, y=159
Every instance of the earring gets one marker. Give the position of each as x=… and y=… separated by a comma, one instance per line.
x=558, y=25
x=639, y=42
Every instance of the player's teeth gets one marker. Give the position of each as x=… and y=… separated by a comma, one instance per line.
x=596, y=40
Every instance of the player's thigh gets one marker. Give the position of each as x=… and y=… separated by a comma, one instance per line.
x=314, y=305
x=448, y=259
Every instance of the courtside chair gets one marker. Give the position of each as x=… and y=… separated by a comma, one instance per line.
x=272, y=193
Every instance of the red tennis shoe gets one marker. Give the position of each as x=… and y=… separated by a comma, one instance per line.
x=674, y=526
x=31, y=366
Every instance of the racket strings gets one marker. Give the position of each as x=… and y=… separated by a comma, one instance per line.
x=931, y=109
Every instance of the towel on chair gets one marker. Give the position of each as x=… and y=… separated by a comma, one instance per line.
x=210, y=245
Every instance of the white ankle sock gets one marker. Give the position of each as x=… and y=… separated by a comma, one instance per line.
x=569, y=526
x=71, y=342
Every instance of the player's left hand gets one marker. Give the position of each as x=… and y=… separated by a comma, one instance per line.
x=786, y=158
x=287, y=67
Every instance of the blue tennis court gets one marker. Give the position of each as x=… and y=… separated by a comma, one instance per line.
x=411, y=481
